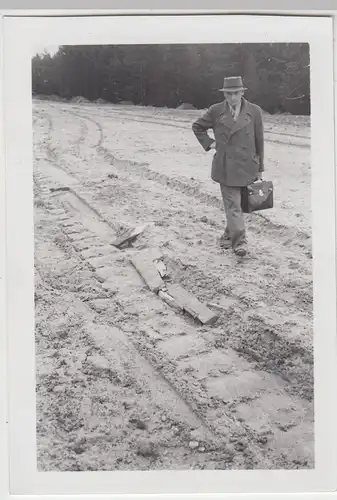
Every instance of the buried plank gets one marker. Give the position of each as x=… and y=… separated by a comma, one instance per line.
x=144, y=264
x=128, y=237
x=152, y=254
x=169, y=300
x=190, y=304
x=217, y=306
x=156, y=256
x=161, y=268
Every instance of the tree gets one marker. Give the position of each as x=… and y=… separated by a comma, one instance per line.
x=277, y=75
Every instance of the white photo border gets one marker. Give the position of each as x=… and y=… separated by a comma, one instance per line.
x=22, y=37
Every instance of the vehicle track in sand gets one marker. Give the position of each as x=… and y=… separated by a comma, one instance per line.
x=83, y=240
x=151, y=149
x=300, y=139
x=296, y=239
x=283, y=290
x=221, y=392
x=192, y=187
x=293, y=139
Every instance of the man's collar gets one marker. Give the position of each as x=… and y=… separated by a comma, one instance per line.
x=230, y=106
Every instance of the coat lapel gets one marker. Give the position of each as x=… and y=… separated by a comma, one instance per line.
x=226, y=117
x=243, y=119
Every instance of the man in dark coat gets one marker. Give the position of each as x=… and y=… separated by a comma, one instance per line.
x=238, y=159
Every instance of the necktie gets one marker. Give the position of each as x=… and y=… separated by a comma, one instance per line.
x=235, y=111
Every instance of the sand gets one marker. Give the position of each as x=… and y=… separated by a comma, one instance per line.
x=125, y=382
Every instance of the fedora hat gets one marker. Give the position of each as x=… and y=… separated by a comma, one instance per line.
x=233, y=83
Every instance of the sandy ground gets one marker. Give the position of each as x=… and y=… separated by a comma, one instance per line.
x=123, y=380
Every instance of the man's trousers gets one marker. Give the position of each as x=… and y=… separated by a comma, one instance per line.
x=235, y=229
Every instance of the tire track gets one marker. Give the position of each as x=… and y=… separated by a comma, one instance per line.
x=162, y=394
x=104, y=201
x=168, y=374
x=280, y=231
x=286, y=236
x=142, y=170
x=43, y=182
x=209, y=286
x=190, y=119
x=258, y=223
x=139, y=118
x=298, y=237
x=267, y=359
x=85, y=131
x=236, y=337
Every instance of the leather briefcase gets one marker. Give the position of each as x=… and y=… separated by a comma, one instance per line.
x=257, y=196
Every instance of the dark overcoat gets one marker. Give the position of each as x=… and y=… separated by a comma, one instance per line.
x=239, y=144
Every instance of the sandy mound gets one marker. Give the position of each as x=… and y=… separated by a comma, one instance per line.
x=79, y=99
x=186, y=105
x=51, y=97
x=101, y=101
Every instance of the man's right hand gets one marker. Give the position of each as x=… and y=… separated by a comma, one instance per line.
x=213, y=145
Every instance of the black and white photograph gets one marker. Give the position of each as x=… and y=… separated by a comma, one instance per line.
x=173, y=257
x=173, y=188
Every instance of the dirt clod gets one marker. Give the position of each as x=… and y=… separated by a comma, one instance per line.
x=138, y=423
x=147, y=450
x=98, y=362
x=59, y=389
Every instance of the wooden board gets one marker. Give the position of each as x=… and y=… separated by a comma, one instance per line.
x=156, y=256
x=161, y=268
x=169, y=300
x=216, y=306
x=191, y=304
x=128, y=236
x=152, y=253
x=148, y=271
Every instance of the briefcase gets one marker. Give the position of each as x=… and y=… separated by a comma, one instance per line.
x=257, y=196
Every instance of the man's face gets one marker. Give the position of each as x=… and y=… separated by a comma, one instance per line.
x=233, y=97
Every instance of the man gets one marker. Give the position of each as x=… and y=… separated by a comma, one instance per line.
x=238, y=159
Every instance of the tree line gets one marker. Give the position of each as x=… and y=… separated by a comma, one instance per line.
x=277, y=74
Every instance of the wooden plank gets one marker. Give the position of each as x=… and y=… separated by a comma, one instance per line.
x=151, y=253
x=217, y=306
x=161, y=268
x=148, y=271
x=191, y=304
x=155, y=255
x=103, y=260
x=169, y=300
x=128, y=236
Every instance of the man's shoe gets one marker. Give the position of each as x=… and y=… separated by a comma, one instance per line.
x=240, y=251
x=225, y=242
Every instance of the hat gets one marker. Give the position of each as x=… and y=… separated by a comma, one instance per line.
x=233, y=83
